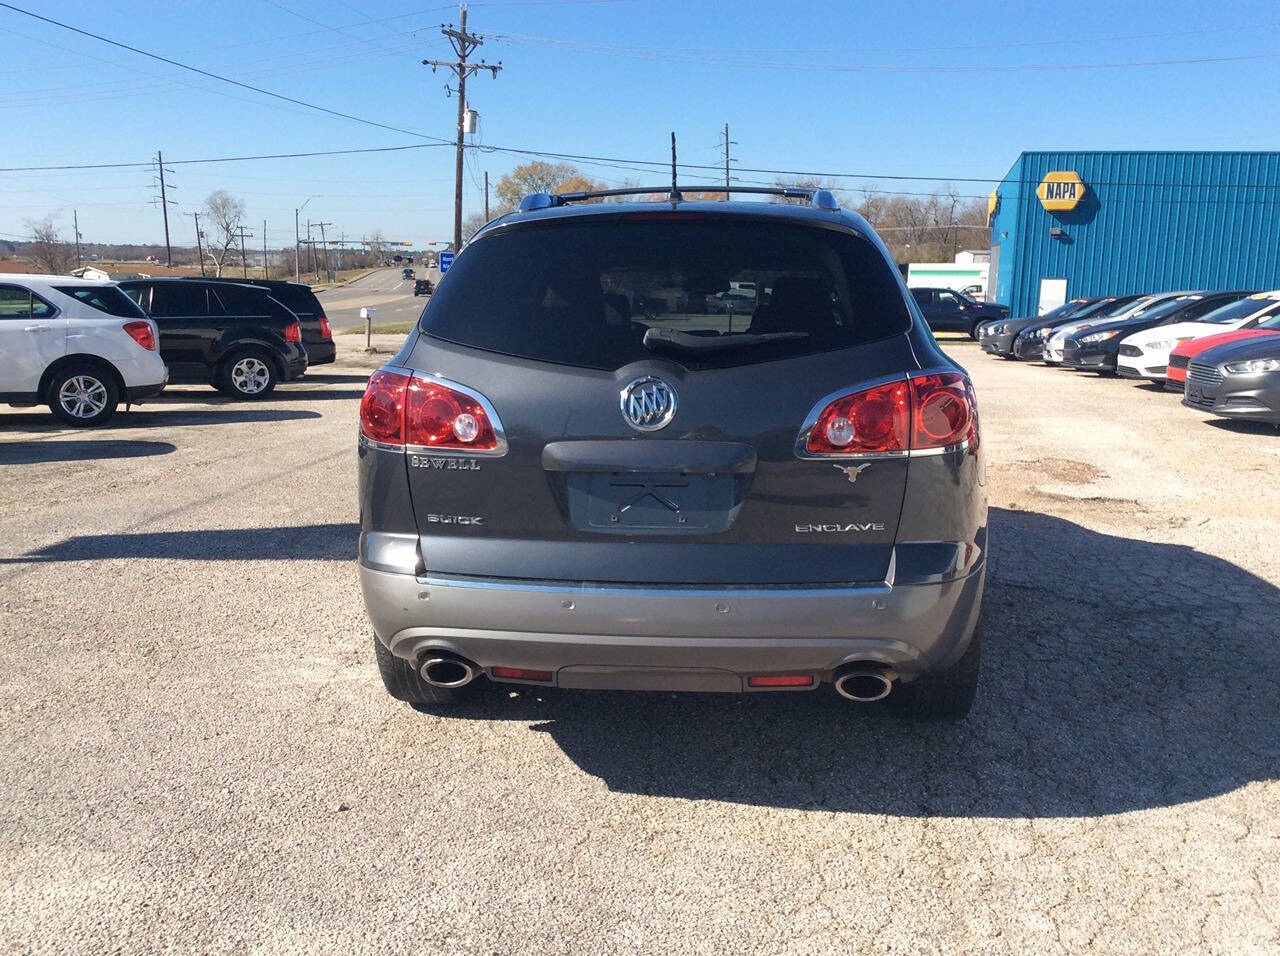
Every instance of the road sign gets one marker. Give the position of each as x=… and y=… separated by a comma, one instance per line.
x=446, y=260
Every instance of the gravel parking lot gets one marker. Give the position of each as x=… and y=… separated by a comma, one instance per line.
x=198, y=754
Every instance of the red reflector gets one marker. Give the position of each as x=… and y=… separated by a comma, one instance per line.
x=441, y=417
x=382, y=408
x=781, y=680
x=325, y=332
x=141, y=333
x=520, y=673
x=293, y=332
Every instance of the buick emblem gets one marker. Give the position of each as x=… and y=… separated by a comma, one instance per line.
x=648, y=404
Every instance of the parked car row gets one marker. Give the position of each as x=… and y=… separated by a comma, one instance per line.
x=83, y=346
x=1219, y=349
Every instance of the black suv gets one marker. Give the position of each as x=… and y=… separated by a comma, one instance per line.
x=297, y=297
x=576, y=473
x=232, y=336
x=947, y=310
x=423, y=287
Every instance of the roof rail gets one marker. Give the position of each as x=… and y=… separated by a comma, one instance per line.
x=821, y=198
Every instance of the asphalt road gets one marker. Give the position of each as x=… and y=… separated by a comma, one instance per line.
x=196, y=752
x=383, y=290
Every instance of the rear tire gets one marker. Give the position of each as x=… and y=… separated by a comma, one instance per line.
x=248, y=374
x=946, y=694
x=83, y=395
x=404, y=683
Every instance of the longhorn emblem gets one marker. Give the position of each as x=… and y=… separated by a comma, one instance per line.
x=853, y=471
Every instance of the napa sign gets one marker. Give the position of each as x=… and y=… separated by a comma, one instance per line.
x=1060, y=191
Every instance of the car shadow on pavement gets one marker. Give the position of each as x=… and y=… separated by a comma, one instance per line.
x=336, y=378
x=1118, y=675
x=159, y=417
x=28, y=453
x=1245, y=427
x=285, y=393
x=321, y=542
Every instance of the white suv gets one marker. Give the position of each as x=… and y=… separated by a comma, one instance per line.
x=78, y=345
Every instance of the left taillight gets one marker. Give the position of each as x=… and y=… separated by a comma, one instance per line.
x=142, y=333
x=325, y=332
x=403, y=409
x=382, y=407
x=293, y=332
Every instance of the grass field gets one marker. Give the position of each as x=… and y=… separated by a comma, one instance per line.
x=394, y=328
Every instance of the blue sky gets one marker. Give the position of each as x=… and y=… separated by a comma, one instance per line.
x=884, y=89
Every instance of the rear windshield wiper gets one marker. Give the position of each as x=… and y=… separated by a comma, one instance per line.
x=677, y=341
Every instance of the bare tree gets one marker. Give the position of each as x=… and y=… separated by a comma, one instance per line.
x=376, y=244
x=223, y=213
x=50, y=253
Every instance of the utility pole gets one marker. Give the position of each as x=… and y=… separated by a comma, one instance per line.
x=324, y=243
x=725, y=146
x=244, y=256
x=312, y=246
x=75, y=224
x=266, y=273
x=464, y=44
x=486, y=195
x=164, y=206
x=199, y=247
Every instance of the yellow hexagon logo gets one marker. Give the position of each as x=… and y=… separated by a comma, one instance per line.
x=1060, y=191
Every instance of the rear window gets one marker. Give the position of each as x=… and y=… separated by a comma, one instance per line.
x=585, y=293
x=108, y=299
x=298, y=298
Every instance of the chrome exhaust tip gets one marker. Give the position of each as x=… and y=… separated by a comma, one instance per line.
x=865, y=684
x=441, y=671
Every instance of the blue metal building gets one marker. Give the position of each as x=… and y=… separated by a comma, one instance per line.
x=1068, y=224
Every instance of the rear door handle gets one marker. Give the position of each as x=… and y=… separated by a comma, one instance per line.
x=38, y=328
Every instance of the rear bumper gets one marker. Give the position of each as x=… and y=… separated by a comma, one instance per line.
x=134, y=394
x=321, y=353
x=653, y=638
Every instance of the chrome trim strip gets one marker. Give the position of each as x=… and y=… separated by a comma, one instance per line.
x=648, y=590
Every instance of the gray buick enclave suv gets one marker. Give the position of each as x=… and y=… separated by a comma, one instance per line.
x=583, y=470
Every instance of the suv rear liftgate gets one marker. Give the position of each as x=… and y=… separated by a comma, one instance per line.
x=670, y=402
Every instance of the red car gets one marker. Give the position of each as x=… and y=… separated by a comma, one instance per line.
x=1176, y=373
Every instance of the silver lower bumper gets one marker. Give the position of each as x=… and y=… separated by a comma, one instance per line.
x=673, y=638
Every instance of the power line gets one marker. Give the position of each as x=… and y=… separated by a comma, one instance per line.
x=215, y=76
x=712, y=59
x=1003, y=45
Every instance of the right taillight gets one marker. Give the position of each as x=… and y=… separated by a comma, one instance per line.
x=940, y=411
x=400, y=408
x=928, y=411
